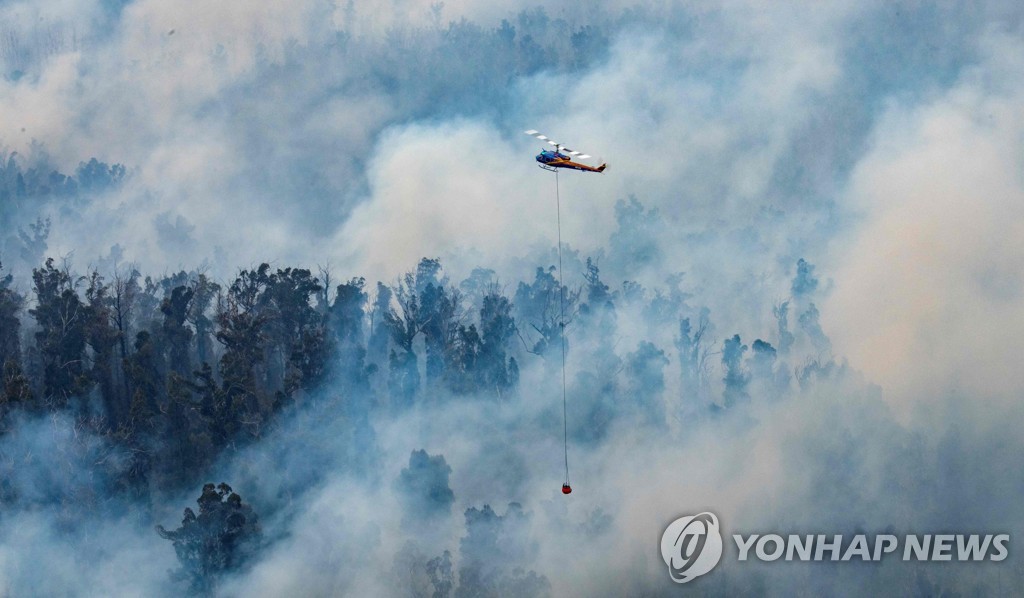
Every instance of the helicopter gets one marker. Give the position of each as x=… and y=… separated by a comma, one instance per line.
x=561, y=157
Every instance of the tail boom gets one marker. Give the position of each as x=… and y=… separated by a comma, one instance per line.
x=577, y=166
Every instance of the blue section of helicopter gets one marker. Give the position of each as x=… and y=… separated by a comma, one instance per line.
x=546, y=156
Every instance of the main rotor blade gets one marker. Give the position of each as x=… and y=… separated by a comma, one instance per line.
x=558, y=146
x=540, y=136
x=579, y=155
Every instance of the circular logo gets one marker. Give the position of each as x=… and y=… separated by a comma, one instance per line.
x=691, y=546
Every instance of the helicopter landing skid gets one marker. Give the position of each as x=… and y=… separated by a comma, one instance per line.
x=548, y=168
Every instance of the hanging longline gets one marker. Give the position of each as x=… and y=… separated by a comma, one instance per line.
x=553, y=161
x=566, y=488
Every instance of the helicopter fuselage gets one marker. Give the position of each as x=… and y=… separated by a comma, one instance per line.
x=550, y=160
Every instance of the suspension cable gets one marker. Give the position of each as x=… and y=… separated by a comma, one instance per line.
x=561, y=329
